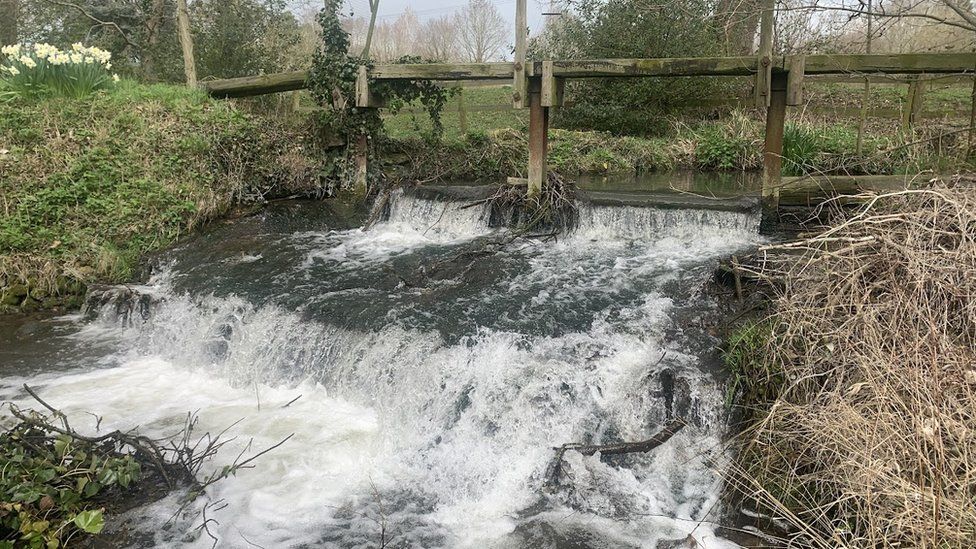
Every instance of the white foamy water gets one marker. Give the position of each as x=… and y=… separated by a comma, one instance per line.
x=404, y=436
x=411, y=223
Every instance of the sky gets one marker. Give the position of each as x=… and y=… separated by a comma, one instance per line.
x=427, y=9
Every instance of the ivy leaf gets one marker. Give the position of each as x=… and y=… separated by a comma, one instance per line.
x=92, y=488
x=90, y=521
x=61, y=446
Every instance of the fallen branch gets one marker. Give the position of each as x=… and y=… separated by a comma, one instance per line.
x=662, y=436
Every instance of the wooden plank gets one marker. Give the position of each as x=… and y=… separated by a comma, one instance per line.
x=553, y=88
x=903, y=63
x=841, y=64
x=538, y=137
x=811, y=190
x=765, y=55
x=519, y=86
x=880, y=78
x=443, y=71
x=773, y=150
x=685, y=66
x=794, y=80
x=256, y=85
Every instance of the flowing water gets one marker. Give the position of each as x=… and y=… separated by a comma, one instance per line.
x=425, y=371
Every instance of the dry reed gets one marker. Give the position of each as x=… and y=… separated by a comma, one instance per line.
x=872, y=440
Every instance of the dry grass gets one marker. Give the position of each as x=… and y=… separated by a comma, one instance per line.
x=872, y=441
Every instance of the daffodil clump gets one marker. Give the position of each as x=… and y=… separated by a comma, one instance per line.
x=39, y=70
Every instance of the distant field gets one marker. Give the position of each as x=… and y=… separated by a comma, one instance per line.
x=487, y=108
x=413, y=121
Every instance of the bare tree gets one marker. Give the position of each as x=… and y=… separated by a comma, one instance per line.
x=356, y=27
x=739, y=21
x=481, y=31
x=439, y=41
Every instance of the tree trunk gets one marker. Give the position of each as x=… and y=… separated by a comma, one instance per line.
x=9, y=23
x=186, y=42
x=153, y=26
x=374, y=6
x=739, y=21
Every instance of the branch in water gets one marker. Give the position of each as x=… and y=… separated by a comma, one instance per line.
x=662, y=436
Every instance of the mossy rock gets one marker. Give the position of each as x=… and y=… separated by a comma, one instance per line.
x=13, y=295
x=30, y=305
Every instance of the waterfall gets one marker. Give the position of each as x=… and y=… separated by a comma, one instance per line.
x=428, y=403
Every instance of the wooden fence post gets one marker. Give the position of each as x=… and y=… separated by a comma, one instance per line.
x=796, y=67
x=462, y=113
x=913, y=103
x=553, y=87
x=360, y=180
x=862, y=120
x=538, y=137
x=773, y=149
x=520, y=91
x=765, y=67
x=972, y=122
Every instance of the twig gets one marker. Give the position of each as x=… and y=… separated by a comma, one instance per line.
x=96, y=20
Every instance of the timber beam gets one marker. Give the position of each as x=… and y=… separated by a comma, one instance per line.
x=903, y=63
x=256, y=85
x=444, y=71
x=538, y=138
x=841, y=64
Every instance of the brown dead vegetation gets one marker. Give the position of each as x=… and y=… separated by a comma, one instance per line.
x=872, y=439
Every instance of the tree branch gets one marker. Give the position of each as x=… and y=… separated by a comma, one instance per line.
x=96, y=20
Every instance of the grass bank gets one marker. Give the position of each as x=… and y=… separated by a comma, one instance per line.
x=88, y=186
x=859, y=386
x=487, y=141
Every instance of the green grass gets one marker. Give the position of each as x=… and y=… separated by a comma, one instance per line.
x=939, y=98
x=817, y=138
x=414, y=122
x=91, y=185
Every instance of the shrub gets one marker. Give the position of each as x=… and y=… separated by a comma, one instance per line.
x=718, y=150
x=42, y=70
x=869, y=442
x=801, y=147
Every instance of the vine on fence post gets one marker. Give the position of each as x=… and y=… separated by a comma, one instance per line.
x=332, y=82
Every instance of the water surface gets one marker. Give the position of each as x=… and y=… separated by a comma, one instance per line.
x=435, y=366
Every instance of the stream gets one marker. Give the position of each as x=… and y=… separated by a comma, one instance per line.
x=425, y=381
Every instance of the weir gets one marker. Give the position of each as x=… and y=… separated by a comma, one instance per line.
x=426, y=382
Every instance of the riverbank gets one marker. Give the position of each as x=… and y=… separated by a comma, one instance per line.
x=854, y=378
x=90, y=186
x=733, y=144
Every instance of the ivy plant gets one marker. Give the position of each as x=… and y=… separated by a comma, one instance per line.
x=332, y=82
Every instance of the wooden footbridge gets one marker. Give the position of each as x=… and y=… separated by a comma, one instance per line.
x=538, y=86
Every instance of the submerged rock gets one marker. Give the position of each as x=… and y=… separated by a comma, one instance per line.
x=124, y=303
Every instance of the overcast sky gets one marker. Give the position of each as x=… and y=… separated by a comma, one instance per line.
x=426, y=9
